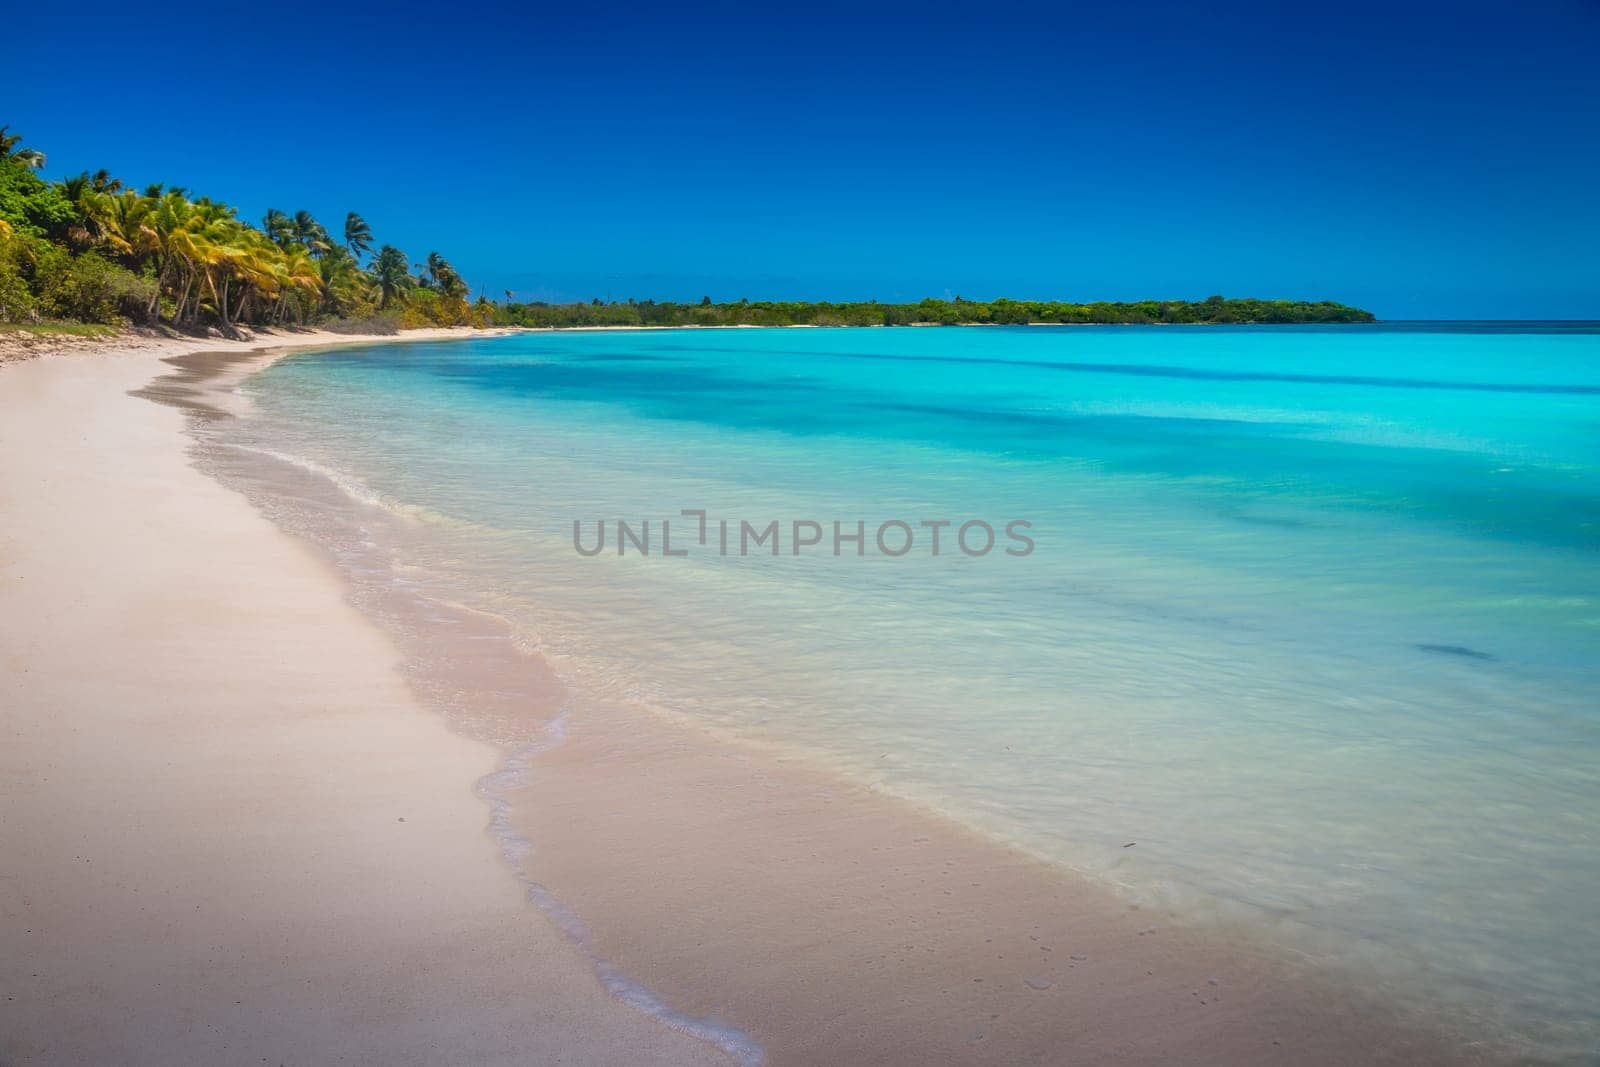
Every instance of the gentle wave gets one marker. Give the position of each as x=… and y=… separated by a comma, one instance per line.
x=517, y=848
x=375, y=576
x=354, y=488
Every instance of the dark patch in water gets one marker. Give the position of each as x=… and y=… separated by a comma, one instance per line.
x=1155, y=370
x=1455, y=650
x=1275, y=521
x=1138, y=427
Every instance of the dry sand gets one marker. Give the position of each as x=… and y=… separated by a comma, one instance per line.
x=228, y=831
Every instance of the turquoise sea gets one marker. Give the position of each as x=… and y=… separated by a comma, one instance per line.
x=1311, y=616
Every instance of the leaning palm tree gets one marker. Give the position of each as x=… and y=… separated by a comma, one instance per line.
x=455, y=287
x=438, y=270
x=311, y=234
x=390, y=274
x=299, y=282
x=342, y=281
x=445, y=277
x=278, y=227
x=177, y=226
x=28, y=157
x=357, y=235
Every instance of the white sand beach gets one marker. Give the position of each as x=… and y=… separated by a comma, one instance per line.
x=228, y=832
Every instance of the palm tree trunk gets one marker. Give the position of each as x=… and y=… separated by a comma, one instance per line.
x=161, y=281
x=220, y=304
x=183, y=297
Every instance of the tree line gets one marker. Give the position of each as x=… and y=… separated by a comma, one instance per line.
x=91, y=249
x=1212, y=310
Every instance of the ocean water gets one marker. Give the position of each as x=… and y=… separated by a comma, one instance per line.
x=1311, y=616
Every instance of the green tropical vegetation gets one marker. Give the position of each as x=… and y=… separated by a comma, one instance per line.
x=1213, y=310
x=89, y=249
x=57, y=329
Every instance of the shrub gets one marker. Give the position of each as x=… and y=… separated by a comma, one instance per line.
x=31, y=205
x=382, y=323
x=16, y=301
x=89, y=288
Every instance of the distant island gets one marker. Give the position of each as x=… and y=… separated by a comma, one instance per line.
x=90, y=250
x=1214, y=310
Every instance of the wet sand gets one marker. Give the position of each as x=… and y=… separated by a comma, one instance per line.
x=836, y=925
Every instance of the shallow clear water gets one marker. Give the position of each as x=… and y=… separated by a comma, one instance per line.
x=1311, y=618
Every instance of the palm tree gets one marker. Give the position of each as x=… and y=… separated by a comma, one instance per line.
x=92, y=207
x=128, y=229
x=31, y=158
x=444, y=278
x=278, y=227
x=311, y=234
x=207, y=266
x=342, y=281
x=296, y=275
x=357, y=235
x=390, y=273
x=177, y=227
x=101, y=181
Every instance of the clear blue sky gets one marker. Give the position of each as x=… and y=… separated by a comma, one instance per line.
x=1422, y=160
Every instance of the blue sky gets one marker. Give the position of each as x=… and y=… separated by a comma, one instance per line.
x=1422, y=160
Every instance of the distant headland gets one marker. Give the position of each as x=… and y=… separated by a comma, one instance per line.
x=1214, y=310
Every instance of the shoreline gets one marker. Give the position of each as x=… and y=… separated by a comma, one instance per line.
x=734, y=880
x=228, y=828
x=651, y=840
x=18, y=344
x=725, y=880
